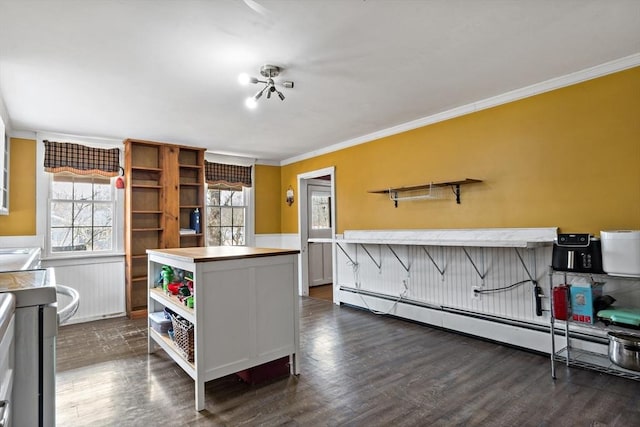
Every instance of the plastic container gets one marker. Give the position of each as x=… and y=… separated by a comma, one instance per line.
x=621, y=252
x=159, y=322
x=560, y=299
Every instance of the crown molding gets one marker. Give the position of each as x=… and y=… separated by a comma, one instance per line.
x=514, y=95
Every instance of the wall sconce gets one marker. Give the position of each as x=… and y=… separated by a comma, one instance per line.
x=289, y=198
x=120, y=180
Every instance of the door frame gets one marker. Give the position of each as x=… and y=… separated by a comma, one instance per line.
x=303, y=227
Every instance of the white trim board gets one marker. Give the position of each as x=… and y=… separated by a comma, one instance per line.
x=514, y=95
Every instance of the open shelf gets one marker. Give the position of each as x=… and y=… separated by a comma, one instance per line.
x=165, y=342
x=174, y=303
x=595, y=361
x=395, y=192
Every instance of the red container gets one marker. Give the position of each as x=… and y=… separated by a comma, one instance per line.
x=268, y=371
x=560, y=298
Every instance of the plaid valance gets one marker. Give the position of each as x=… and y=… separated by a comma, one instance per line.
x=81, y=160
x=230, y=175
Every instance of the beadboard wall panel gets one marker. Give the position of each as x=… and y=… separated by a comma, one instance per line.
x=99, y=281
x=414, y=272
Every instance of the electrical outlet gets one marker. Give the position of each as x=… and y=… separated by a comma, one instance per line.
x=474, y=293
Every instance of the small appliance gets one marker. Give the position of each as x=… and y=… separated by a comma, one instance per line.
x=580, y=252
x=621, y=252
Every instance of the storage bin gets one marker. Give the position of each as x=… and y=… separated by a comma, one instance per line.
x=582, y=298
x=159, y=322
x=183, y=336
x=267, y=371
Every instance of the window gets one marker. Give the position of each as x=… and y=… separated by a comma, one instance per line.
x=319, y=208
x=226, y=216
x=82, y=212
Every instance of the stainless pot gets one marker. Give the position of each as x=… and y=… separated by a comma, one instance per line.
x=624, y=350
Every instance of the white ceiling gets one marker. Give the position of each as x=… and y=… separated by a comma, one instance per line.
x=167, y=70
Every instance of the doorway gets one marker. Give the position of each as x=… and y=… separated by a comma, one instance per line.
x=316, y=219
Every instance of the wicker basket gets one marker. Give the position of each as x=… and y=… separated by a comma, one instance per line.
x=183, y=336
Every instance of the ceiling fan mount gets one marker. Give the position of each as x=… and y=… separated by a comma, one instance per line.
x=268, y=72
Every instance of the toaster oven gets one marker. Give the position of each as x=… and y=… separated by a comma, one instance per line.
x=577, y=252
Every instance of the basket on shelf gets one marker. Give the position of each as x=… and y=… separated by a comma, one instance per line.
x=183, y=336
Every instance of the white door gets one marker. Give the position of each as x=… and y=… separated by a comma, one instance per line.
x=319, y=232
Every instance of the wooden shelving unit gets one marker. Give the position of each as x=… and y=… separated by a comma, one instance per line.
x=164, y=184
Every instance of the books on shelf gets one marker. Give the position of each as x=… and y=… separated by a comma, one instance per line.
x=184, y=231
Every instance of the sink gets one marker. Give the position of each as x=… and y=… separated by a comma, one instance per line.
x=12, y=259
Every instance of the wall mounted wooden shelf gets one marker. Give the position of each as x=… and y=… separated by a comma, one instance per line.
x=395, y=193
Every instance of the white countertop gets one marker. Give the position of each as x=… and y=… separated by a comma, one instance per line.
x=13, y=259
x=473, y=237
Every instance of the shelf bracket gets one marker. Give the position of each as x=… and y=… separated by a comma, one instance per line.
x=456, y=191
x=378, y=264
x=524, y=265
x=441, y=271
x=406, y=267
x=346, y=254
x=482, y=276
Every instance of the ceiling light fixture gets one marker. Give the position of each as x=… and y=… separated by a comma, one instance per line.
x=269, y=72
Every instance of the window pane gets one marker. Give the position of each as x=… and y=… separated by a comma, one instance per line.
x=82, y=238
x=103, y=215
x=102, y=190
x=227, y=236
x=82, y=214
x=238, y=235
x=319, y=211
x=62, y=190
x=82, y=190
x=237, y=198
x=213, y=217
x=226, y=216
x=238, y=216
x=213, y=197
x=213, y=236
x=61, y=214
x=60, y=237
x=102, y=238
x=226, y=197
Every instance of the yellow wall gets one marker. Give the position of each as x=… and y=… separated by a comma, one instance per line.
x=21, y=220
x=568, y=158
x=267, y=199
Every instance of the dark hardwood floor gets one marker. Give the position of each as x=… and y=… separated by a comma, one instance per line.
x=358, y=369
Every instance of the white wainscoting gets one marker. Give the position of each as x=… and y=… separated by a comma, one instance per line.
x=99, y=281
x=378, y=270
x=414, y=278
x=279, y=241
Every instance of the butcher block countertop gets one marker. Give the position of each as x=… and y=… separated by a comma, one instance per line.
x=220, y=253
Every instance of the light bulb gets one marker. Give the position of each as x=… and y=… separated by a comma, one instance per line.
x=244, y=79
x=251, y=103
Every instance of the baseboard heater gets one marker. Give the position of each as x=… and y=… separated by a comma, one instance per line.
x=510, y=331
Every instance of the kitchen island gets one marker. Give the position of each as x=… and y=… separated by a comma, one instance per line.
x=244, y=314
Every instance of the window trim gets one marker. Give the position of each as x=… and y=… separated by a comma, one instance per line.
x=93, y=202
x=249, y=234
x=43, y=201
